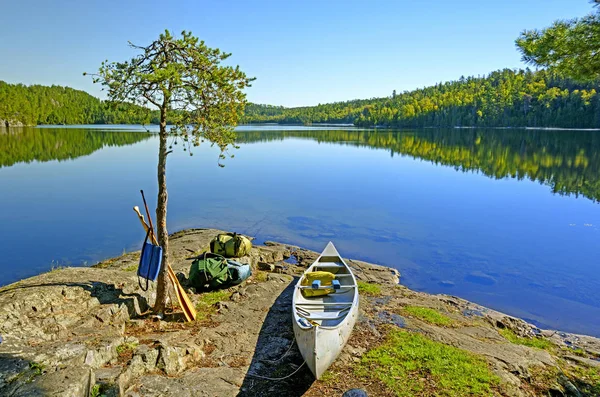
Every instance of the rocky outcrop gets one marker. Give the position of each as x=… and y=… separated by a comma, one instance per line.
x=10, y=123
x=363, y=271
x=86, y=331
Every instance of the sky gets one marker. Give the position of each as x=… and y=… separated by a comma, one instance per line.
x=301, y=52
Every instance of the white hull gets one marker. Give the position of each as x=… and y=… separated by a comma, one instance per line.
x=323, y=324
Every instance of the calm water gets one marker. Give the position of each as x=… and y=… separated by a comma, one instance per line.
x=509, y=219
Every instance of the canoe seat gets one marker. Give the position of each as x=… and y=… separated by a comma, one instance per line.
x=329, y=265
x=326, y=287
x=322, y=315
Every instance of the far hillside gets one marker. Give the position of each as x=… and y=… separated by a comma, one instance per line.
x=37, y=104
x=504, y=98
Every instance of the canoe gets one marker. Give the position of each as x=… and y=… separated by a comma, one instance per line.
x=323, y=324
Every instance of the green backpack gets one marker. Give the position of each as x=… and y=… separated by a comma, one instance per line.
x=230, y=245
x=209, y=271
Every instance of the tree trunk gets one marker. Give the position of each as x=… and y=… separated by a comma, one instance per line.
x=161, y=216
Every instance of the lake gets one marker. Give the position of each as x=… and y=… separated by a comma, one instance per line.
x=509, y=219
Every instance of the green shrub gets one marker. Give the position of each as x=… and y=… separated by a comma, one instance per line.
x=410, y=364
x=205, y=306
x=428, y=315
x=126, y=347
x=370, y=289
x=538, y=343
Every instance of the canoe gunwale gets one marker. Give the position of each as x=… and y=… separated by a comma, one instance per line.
x=353, y=287
x=320, y=345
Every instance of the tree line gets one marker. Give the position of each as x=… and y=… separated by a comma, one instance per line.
x=504, y=98
x=55, y=105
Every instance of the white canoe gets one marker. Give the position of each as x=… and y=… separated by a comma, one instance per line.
x=322, y=324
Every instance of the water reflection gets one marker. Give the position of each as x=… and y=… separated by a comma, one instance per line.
x=485, y=233
x=24, y=145
x=567, y=161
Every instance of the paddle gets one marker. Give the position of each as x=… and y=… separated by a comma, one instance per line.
x=184, y=301
x=144, y=224
x=182, y=298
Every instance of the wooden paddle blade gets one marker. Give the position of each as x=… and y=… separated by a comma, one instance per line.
x=184, y=300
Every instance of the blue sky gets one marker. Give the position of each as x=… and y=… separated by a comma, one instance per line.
x=301, y=52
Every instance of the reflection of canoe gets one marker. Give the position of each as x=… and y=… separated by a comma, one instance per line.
x=322, y=324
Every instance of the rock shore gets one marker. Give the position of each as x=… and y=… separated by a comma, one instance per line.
x=10, y=123
x=87, y=332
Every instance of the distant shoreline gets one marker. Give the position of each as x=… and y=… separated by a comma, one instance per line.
x=344, y=125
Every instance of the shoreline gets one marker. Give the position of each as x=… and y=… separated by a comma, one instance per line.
x=76, y=329
x=332, y=125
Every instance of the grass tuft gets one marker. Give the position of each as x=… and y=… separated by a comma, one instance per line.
x=37, y=368
x=126, y=348
x=9, y=287
x=205, y=305
x=538, y=343
x=328, y=377
x=587, y=379
x=369, y=289
x=428, y=315
x=409, y=364
x=131, y=268
x=96, y=391
x=34, y=370
x=261, y=276
x=579, y=352
x=542, y=377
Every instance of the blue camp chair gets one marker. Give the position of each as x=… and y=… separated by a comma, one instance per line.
x=150, y=261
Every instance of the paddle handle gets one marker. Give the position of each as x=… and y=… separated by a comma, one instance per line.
x=148, y=213
x=144, y=224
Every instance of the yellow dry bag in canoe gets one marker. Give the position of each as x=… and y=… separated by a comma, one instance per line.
x=325, y=279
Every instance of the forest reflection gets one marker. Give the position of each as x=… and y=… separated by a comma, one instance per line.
x=24, y=145
x=567, y=161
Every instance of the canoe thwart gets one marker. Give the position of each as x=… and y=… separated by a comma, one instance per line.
x=325, y=286
x=309, y=304
x=322, y=315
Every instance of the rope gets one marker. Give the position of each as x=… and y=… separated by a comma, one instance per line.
x=284, y=354
x=278, y=379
